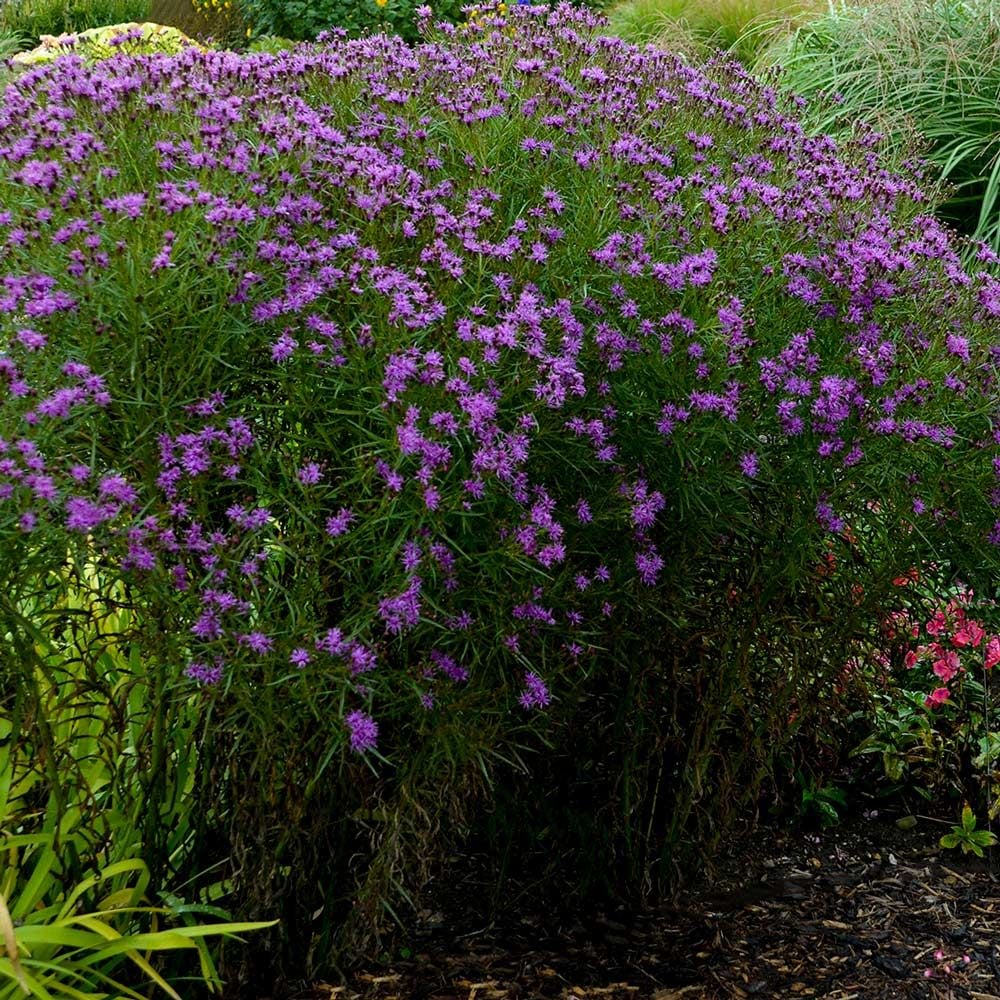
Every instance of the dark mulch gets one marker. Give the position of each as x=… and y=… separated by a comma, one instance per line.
x=856, y=913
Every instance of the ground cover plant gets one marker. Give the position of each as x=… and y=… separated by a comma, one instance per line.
x=433, y=404
x=924, y=73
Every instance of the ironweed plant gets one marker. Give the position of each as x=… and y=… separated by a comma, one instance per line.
x=437, y=398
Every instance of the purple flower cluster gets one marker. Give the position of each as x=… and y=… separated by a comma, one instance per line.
x=532, y=312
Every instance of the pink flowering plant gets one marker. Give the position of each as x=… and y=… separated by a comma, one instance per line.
x=935, y=718
x=412, y=391
x=953, y=643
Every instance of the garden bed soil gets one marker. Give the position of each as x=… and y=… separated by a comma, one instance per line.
x=861, y=912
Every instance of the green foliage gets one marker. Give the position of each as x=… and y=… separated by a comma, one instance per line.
x=272, y=44
x=924, y=73
x=73, y=896
x=987, y=763
x=915, y=755
x=12, y=41
x=303, y=20
x=933, y=711
x=98, y=935
x=820, y=800
x=968, y=836
x=670, y=716
x=98, y=766
x=743, y=28
x=648, y=21
x=34, y=18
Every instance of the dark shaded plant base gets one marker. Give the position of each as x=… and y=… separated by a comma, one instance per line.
x=854, y=913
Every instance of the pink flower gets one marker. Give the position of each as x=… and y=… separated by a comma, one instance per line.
x=937, y=697
x=937, y=624
x=970, y=634
x=992, y=655
x=947, y=665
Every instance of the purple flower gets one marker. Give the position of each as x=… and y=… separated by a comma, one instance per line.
x=82, y=515
x=363, y=731
x=40, y=173
x=257, y=642
x=129, y=205
x=411, y=556
x=827, y=519
x=339, y=523
x=310, y=474
x=649, y=563
x=402, y=612
x=116, y=488
x=749, y=465
x=535, y=693
x=203, y=674
x=283, y=347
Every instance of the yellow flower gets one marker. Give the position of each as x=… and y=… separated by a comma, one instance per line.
x=381, y=3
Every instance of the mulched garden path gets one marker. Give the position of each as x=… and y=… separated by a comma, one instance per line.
x=866, y=912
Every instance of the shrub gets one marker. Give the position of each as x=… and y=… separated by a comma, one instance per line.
x=306, y=19
x=914, y=69
x=34, y=18
x=413, y=390
x=217, y=21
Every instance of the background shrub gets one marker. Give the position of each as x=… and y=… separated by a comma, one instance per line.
x=32, y=18
x=409, y=391
x=743, y=28
x=218, y=21
x=928, y=72
x=305, y=19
